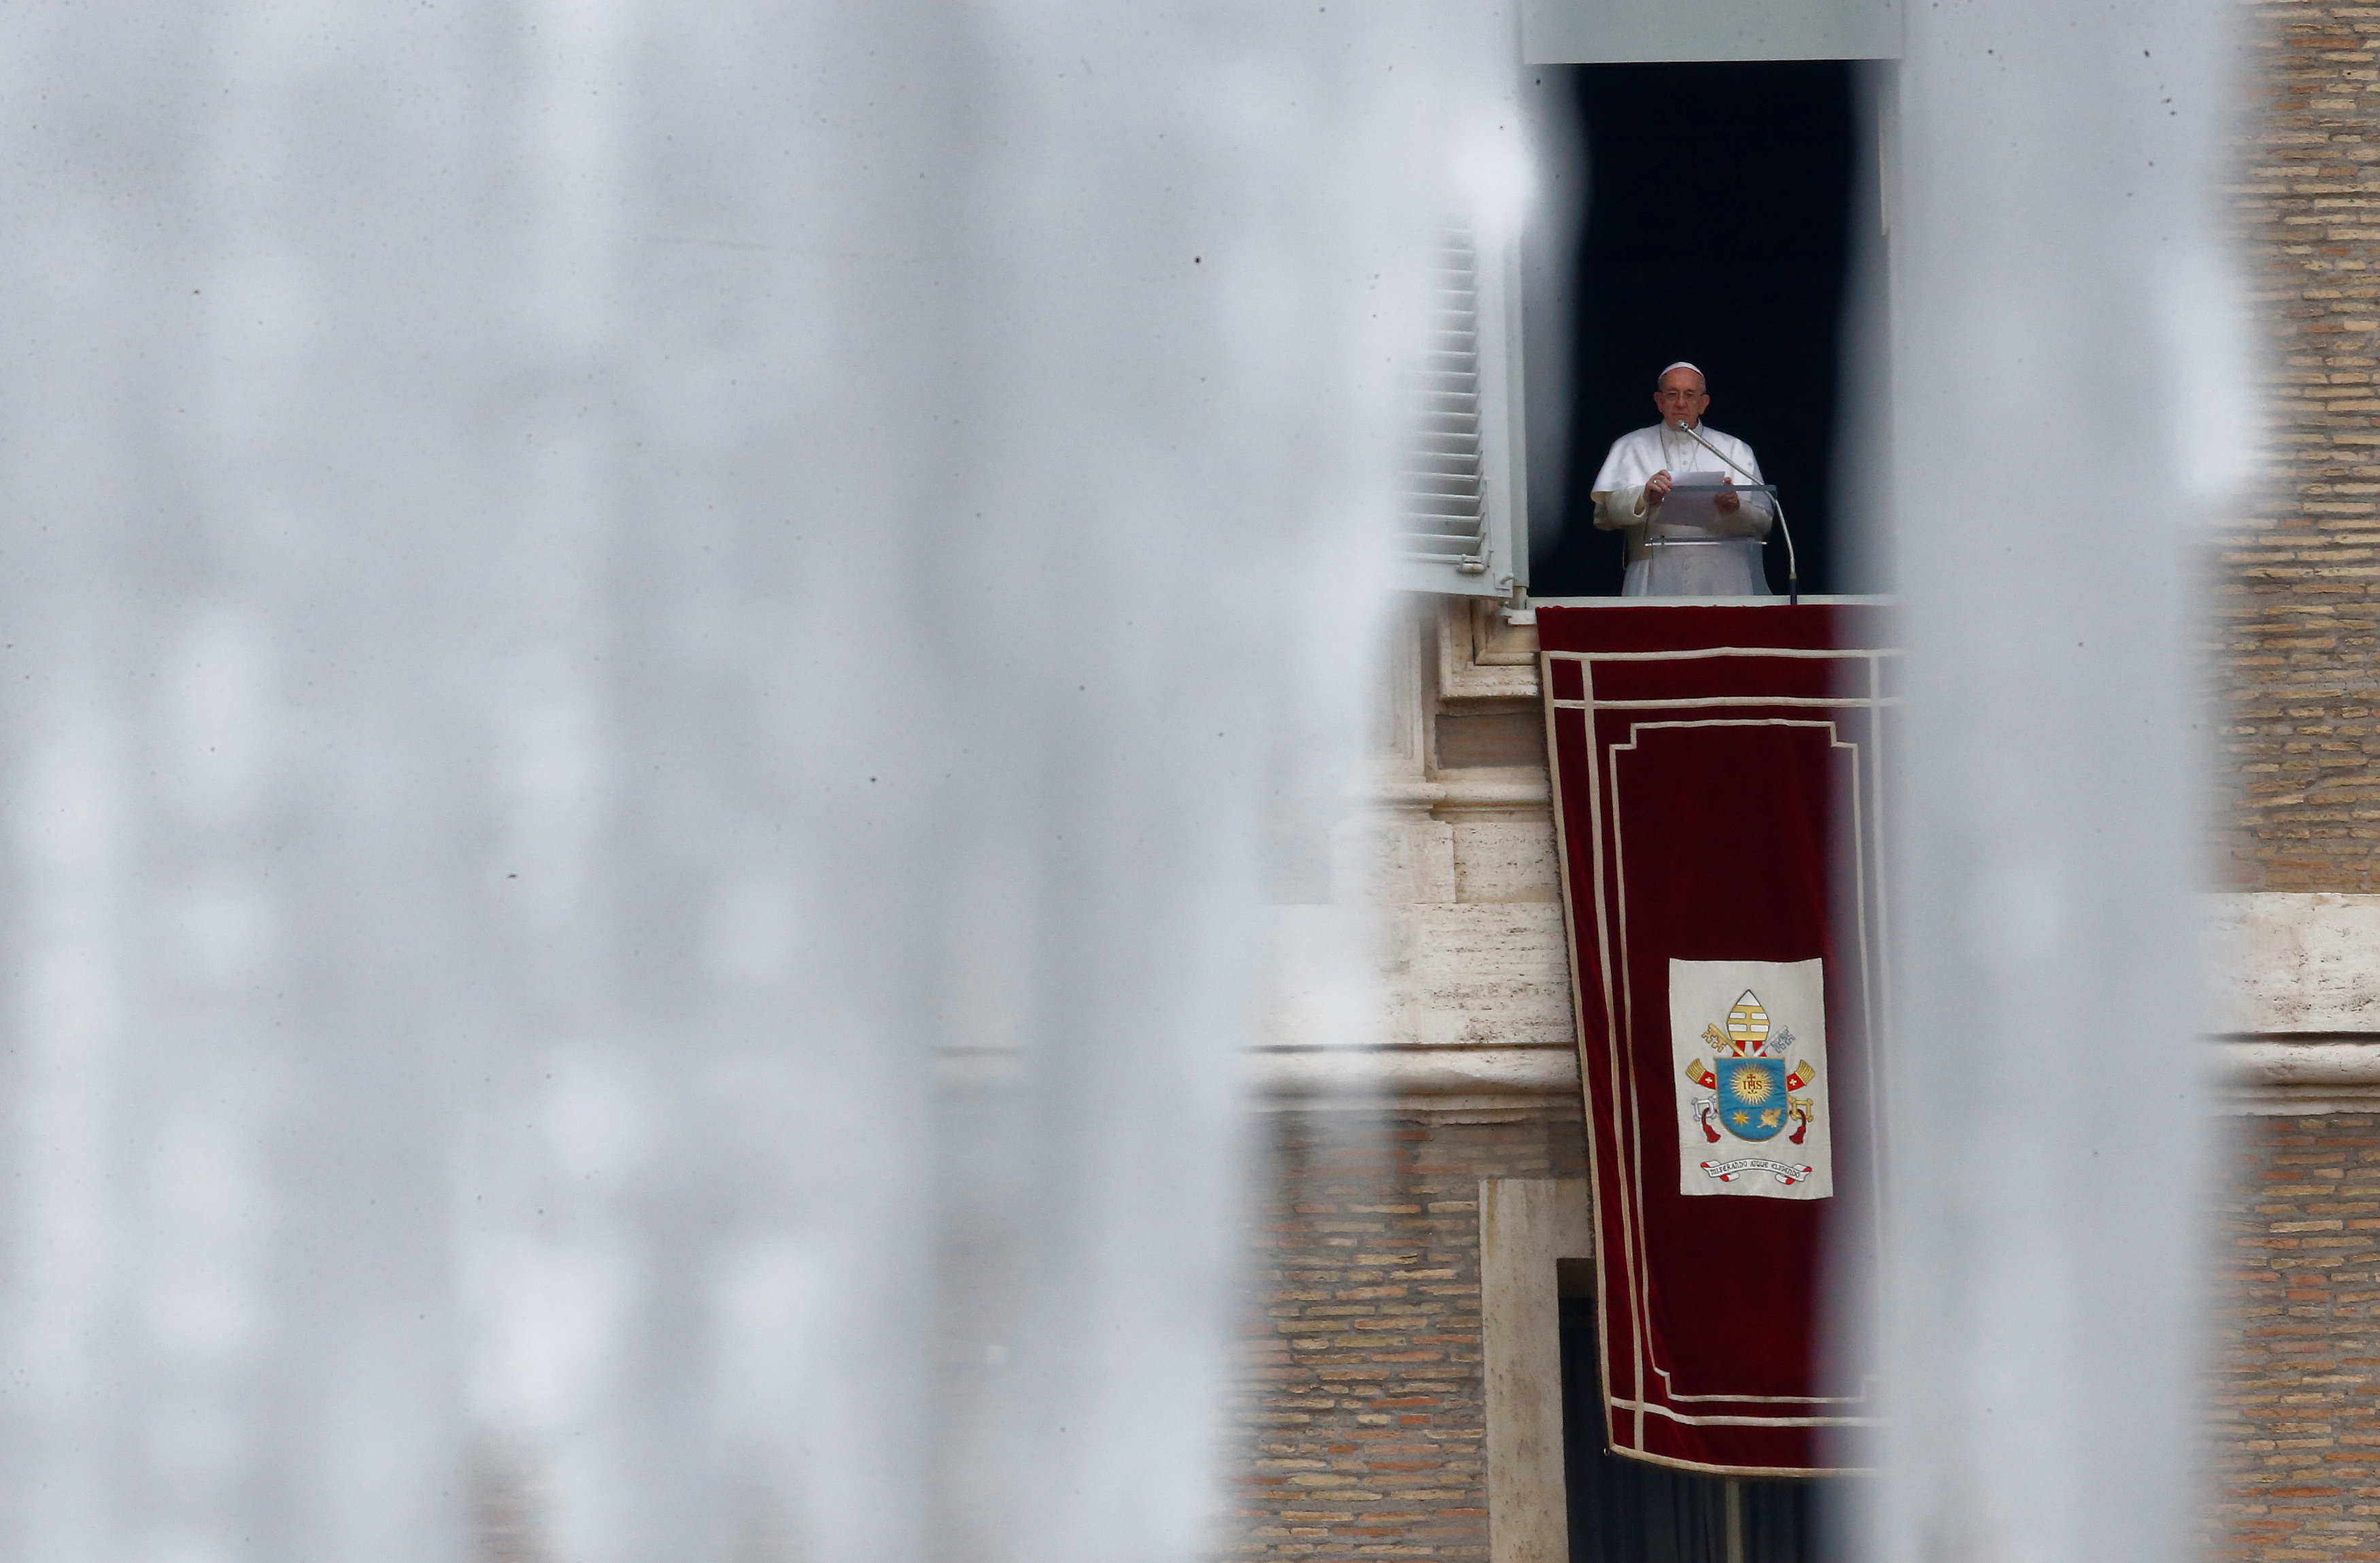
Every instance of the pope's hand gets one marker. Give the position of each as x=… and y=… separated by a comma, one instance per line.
x=1724, y=503
x=1656, y=489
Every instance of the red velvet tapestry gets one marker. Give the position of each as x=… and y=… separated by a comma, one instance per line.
x=1719, y=806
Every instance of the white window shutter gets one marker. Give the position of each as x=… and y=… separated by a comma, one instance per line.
x=1461, y=522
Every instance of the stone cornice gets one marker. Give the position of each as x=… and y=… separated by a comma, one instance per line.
x=2251, y=1075
x=2299, y=1075
x=1457, y=789
x=1426, y=1070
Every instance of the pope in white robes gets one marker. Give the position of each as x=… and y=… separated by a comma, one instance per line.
x=1637, y=478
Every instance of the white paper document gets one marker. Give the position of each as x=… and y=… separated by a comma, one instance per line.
x=1694, y=501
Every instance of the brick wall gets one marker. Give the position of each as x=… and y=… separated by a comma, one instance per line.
x=2294, y=1415
x=2295, y=1409
x=1360, y=1419
x=2296, y=573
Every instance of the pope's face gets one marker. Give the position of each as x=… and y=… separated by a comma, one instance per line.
x=1681, y=398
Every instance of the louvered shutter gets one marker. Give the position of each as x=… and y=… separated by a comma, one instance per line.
x=1461, y=524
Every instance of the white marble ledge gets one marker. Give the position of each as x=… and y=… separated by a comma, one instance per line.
x=2257, y=1061
x=2251, y=1077
x=2254, y=1079
x=2303, y=966
x=2262, y=1076
x=1422, y=1070
x=1515, y=788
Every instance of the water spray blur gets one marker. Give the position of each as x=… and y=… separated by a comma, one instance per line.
x=2067, y=396
x=644, y=651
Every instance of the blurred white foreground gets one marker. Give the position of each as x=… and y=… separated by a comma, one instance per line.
x=2068, y=397
x=644, y=650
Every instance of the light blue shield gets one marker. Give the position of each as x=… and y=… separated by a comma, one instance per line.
x=1751, y=1097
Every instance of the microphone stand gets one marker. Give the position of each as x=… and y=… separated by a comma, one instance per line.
x=1792, y=568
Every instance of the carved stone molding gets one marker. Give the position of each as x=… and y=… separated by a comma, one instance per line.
x=2298, y=1077
x=1482, y=654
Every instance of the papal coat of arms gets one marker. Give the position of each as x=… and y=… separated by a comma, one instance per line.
x=1752, y=1104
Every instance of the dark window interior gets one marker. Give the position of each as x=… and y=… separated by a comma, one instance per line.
x=1719, y=205
x=1630, y=1511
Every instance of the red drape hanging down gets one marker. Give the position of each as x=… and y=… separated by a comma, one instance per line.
x=1721, y=804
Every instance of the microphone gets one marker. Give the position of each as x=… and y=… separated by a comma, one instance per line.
x=1792, y=568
